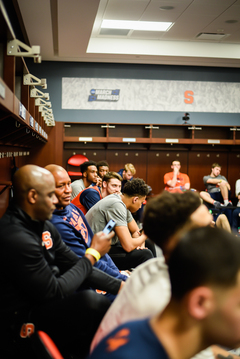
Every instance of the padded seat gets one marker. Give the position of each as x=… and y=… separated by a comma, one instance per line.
x=75, y=161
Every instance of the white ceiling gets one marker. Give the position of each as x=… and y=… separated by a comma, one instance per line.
x=69, y=30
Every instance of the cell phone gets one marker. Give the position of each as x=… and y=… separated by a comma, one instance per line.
x=109, y=227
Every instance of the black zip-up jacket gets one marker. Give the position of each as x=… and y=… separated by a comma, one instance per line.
x=36, y=265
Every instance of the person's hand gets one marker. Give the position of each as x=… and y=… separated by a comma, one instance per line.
x=102, y=242
x=175, y=170
x=142, y=246
x=99, y=182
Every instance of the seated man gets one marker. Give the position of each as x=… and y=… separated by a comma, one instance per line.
x=40, y=276
x=204, y=270
x=147, y=291
x=89, y=177
x=127, y=250
x=73, y=227
x=127, y=173
x=103, y=168
x=175, y=181
x=236, y=212
x=111, y=183
x=218, y=188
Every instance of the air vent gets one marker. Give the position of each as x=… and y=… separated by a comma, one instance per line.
x=210, y=36
x=114, y=32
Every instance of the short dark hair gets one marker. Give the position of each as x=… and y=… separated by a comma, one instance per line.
x=102, y=163
x=215, y=164
x=204, y=256
x=84, y=166
x=167, y=213
x=136, y=188
x=108, y=176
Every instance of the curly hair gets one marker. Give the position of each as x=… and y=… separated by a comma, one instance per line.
x=102, y=163
x=136, y=188
x=84, y=166
x=167, y=213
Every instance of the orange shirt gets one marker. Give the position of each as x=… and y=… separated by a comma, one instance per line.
x=182, y=179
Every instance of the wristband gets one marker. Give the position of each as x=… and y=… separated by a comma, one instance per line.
x=93, y=253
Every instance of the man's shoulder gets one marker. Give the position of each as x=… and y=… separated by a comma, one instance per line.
x=91, y=190
x=78, y=182
x=169, y=174
x=112, y=199
x=139, y=340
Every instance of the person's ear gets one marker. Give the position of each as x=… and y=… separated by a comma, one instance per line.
x=200, y=302
x=134, y=200
x=84, y=174
x=32, y=196
x=104, y=184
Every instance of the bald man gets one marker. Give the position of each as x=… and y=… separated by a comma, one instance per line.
x=40, y=276
x=73, y=226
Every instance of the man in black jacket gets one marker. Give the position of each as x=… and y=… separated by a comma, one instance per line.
x=41, y=279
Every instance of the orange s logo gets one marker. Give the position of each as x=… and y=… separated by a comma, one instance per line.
x=119, y=339
x=188, y=97
x=27, y=330
x=98, y=291
x=47, y=240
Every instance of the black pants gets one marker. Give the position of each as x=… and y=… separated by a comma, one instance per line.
x=128, y=260
x=70, y=322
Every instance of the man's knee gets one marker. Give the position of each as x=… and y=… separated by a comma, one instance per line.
x=143, y=254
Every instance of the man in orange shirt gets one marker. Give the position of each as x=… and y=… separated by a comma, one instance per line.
x=176, y=181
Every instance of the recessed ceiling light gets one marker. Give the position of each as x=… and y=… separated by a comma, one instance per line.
x=166, y=7
x=136, y=25
x=231, y=21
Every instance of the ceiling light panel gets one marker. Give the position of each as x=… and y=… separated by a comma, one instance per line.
x=136, y=25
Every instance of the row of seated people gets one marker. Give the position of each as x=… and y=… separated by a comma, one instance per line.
x=43, y=272
x=217, y=188
x=217, y=194
x=41, y=276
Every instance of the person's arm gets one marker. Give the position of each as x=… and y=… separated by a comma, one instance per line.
x=31, y=272
x=89, y=198
x=127, y=241
x=71, y=236
x=187, y=184
x=74, y=240
x=103, y=281
x=237, y=187
x=97, y=278
x=133, y=228
x=173, y=181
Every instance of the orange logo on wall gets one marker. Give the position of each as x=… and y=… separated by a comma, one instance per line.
x=188, y=97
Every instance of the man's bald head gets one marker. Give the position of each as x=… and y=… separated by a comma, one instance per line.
x=34, y=191
x=63, y=188
x=26, y=178
x=54, y=168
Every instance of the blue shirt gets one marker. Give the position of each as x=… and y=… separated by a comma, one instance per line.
x=129, y=341
x=77, y=234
